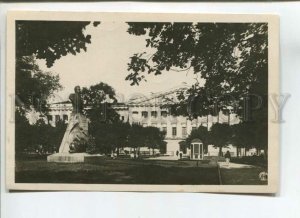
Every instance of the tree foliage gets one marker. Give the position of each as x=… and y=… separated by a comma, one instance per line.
x=50, y=40
x=220, y=136
x=231, y=59
x=39, y=137
x=98, y=100
x=201, y=133
x=249, y=135
x=33, y=86
x=110, y=137
x=153, y=137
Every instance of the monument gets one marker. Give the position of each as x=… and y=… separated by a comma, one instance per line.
x=72, y=147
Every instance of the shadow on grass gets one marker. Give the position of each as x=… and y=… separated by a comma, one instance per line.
x=108, y=171
x=242, y=176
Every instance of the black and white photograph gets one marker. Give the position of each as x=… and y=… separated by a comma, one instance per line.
x=142, y=102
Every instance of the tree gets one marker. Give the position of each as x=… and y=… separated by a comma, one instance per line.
x=33, y=86
x=154, y=138
x=201, y=133
x=23, y=134
x=220, y=136
x=249, y=135
x=50, y=40
x=110, y=136
x=136, y=138
x=98, y=100
x=57, y=133
x=242, y=136
x=39, y=136
x=231, y=58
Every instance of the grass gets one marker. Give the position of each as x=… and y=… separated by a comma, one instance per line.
x=119, y=171
x=244, y=176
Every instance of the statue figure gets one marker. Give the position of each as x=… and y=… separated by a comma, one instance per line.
x=77, y=130
x=76, y=100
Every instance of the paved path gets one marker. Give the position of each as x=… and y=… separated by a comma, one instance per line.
x=163, y=158
x=233, y=165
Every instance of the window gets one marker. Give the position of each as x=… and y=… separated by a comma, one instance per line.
x=174, y=131
x=145, y=114
x=65, y=117
x=135, y=112
x=183, y=131
x=122, y=118
x=49, y=117
x=154, y=114
x=164, y=113
x=164, y=129
x=57, y=118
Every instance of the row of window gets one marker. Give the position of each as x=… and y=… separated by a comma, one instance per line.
x=174, y=131
x=153, y=113
x=57, y=117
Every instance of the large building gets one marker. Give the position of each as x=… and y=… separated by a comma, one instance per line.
x=152, y=111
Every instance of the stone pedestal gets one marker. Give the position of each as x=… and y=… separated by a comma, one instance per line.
x=71, y=158
x=77, y=129
x=67, y=158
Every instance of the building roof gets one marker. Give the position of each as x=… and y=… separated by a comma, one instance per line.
x=196, y=140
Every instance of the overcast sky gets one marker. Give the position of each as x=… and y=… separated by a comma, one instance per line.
x=106, y=61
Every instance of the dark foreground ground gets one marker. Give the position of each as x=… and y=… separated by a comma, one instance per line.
x=245, y=176
x=126, y=171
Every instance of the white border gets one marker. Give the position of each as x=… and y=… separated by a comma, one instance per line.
x=273, y=88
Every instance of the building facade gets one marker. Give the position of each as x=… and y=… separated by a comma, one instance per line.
x=152, y=111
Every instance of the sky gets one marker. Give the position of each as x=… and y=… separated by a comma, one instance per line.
x=106, y=61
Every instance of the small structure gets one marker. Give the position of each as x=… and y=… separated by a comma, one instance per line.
x=196, y=149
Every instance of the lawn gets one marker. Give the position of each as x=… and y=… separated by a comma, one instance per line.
x=118, y=171
x=245, y=176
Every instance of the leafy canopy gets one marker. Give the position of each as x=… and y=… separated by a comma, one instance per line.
x=50, y=40
x=230, y=57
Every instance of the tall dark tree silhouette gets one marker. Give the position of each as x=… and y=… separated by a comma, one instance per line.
x=98, y=100
x=220, y=136
x=33, y=86
x=231, y=59
x=48, y=40
x=201, y=133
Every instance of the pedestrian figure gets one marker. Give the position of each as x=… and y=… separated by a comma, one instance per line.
x=227, y=158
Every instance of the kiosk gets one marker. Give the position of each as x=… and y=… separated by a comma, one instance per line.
x=196, y=149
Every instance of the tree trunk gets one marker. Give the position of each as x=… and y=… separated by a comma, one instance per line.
x=228, y=118
x=237, y=151
x=220, y=151
x=207, y=122
x=257, y=151
x=134, y=152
